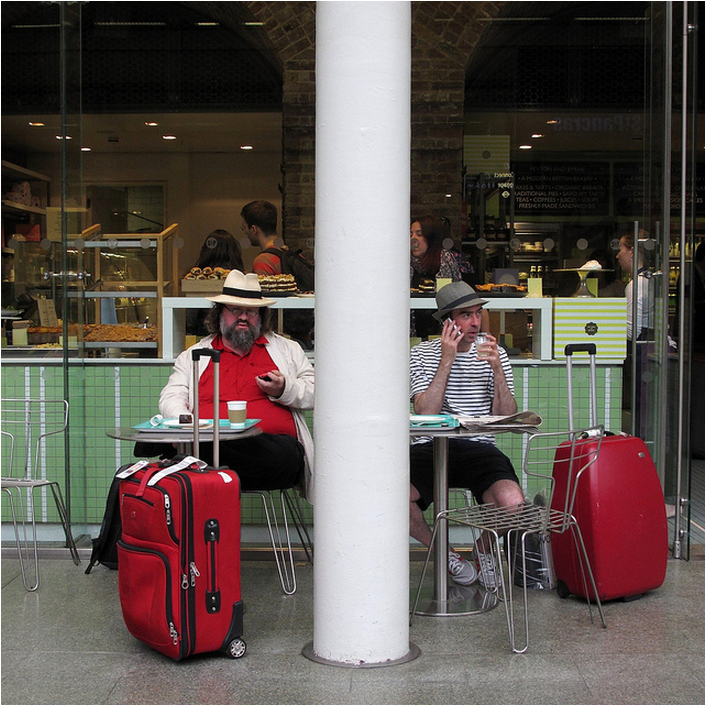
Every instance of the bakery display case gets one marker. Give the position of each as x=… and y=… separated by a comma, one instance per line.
x=108, y=287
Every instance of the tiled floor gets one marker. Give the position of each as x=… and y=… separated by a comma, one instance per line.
x=67, y=644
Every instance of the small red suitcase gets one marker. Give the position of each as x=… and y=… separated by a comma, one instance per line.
x=620, y=510
x=179, y=555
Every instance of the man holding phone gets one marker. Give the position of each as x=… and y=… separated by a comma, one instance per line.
x=454, y=374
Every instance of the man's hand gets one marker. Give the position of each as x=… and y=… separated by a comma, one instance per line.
x=271, y=383
x=451, y=336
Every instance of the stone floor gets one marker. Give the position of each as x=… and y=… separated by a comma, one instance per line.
x=67, y=644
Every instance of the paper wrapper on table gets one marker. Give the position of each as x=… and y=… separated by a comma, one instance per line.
x=602, y=321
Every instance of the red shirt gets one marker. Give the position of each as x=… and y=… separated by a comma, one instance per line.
x=237, y=382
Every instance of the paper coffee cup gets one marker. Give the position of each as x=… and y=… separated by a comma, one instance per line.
x=237, y=411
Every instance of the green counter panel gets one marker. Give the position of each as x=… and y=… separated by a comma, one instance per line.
x=106, y=396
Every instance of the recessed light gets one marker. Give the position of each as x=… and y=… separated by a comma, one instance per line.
x=36, y=124
x=553, y=122
x=537, y=135
x=448, y=196
x=64, y=137
x=246, y=147
x=85, y=149
x=169, y=137
x=525, y=147
x=151, y=123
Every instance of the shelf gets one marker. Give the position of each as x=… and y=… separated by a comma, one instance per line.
x=8, y=205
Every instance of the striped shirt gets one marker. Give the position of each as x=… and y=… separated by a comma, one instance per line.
x=471, y=383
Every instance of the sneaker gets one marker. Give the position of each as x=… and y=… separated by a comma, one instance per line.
x=461, y=570
x=487, y=576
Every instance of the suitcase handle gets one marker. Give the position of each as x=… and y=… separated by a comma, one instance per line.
x=569, y=350
x=572, y=348
x=215, y=356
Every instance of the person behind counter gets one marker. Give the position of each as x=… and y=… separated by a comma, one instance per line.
x=429, y=261
x=219, y=249
x=449, y=376
x=269, y=371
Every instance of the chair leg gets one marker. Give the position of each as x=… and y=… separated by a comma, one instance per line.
x=586, y=569
x=297, y=516
x=285, y=565
x=430, y=550
x=29, y=561
x=61, y=508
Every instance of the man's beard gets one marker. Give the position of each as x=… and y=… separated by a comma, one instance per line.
x=240, y=339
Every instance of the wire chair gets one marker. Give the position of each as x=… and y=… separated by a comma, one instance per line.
x=26, y=427
x=489, y=523
x=289, y=508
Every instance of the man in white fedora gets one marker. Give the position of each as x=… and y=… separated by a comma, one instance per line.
x=270, y=372
x=455, y=374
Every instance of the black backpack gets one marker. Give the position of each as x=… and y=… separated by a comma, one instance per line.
x=105, y=545
x=292, y=263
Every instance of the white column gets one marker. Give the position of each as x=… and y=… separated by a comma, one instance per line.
x=361, y=522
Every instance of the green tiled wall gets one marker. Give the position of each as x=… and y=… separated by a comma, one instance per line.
x=106, y=396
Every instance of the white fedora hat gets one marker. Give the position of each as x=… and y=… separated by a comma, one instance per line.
x=241, y=290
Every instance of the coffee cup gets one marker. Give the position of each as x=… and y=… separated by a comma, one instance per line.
x=237, y=411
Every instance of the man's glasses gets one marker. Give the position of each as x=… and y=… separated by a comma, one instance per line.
x=238, y=311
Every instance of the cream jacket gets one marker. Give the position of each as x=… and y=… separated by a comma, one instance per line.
x=177, y=397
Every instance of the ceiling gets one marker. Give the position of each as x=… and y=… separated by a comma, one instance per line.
x=124, y=133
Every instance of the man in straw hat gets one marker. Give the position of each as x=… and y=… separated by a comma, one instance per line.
x=455, y=375
x=270, y=372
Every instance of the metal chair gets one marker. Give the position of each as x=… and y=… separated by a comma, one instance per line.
x=26, y=427
x=289, y=503
x=518, y=522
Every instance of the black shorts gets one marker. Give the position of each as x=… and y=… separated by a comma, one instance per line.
x=472, y=464
x=262, y=462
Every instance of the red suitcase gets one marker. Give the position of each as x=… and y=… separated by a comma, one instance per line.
x=179, y=555
x=620, y=510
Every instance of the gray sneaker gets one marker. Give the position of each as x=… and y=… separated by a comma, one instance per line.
x=461, y=570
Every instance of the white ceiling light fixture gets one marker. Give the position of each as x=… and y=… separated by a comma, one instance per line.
x=246, y=148
x=525, y=147
x=169, y=137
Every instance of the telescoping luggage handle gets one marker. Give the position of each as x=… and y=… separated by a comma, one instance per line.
x=215, y=356
x=569, y=350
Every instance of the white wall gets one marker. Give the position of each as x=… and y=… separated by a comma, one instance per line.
x=204, y=191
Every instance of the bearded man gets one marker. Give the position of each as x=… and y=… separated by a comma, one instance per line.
x=270, y=372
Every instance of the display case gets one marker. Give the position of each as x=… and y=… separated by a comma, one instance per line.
x=110, y=295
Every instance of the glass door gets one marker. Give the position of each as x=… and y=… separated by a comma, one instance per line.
x=660, y=364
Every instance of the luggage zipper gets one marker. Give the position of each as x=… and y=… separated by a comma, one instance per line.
x=188, y=579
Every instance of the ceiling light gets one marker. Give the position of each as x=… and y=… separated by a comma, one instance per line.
x=525, y=147
x=85, y=149
x=207, y=24
x=448, y=196
x=64, y=137
x=151, y=123
x=36, y=124
x=169, y=137
x=553, y=122
x=246, y=147
x=253, y=24
x=537, y=135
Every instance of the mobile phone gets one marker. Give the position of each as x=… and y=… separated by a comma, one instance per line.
x=266, y=378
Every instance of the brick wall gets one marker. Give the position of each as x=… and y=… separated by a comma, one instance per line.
x=444, y=35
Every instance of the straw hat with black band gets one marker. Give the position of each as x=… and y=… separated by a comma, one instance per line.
x=241, y=290
x=456, y=295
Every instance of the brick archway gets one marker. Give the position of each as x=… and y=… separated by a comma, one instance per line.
x=444, y=35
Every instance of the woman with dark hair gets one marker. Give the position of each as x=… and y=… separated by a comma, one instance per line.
x=429, y=257
x=430, y=260
x=220, y=249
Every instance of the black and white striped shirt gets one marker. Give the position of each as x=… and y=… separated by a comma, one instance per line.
x=471, y=383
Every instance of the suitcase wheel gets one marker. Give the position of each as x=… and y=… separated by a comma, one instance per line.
x=562, y=589
x=236, y=649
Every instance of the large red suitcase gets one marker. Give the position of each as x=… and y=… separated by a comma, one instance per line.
x=179, y=556
x=619, y=509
